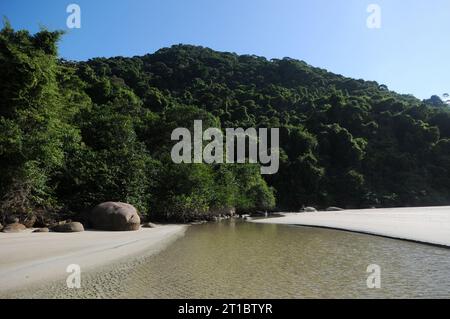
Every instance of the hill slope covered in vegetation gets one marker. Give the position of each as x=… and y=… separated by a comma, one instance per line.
x=74, y=134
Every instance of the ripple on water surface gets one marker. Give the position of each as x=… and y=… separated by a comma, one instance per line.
x=244, y=260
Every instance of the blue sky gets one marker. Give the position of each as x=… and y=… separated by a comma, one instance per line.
x=410, y=53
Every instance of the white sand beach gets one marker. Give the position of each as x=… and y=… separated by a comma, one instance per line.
x=429, y=225
x=30, y=258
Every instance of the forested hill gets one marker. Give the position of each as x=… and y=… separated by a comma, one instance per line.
x=76, y=134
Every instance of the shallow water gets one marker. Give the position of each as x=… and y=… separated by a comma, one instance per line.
x=245, y=260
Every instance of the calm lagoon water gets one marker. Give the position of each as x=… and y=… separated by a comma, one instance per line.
x=236, y=259
x=245, y=260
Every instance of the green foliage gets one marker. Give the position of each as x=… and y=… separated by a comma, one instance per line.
x=76, y=134
x=34, y=119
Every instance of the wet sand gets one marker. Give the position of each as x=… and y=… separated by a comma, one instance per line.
x=430, y=225
x=30, y=259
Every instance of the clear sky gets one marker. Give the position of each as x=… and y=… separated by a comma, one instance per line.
x=410, y=52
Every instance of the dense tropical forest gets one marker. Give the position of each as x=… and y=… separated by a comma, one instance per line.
x=75, y=134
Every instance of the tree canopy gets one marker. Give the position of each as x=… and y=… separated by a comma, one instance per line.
x=73, y=134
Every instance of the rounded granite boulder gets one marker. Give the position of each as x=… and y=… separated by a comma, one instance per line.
x=115, y=216
x=71, y=227
x=14, y=228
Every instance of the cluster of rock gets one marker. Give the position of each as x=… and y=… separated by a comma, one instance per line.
x=314, y=210
x=110, y=216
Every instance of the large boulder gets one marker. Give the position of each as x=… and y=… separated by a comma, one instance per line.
x=14, y=228
x=72, y=227
x=114, y=216
x=310, y=210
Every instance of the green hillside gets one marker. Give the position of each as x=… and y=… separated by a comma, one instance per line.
x=74, y=134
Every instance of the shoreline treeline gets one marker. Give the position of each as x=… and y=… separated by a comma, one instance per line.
x=75, y=134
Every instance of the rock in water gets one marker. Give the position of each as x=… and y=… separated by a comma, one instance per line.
x=73, y=227
x=112, y=216
x=14, y=228
x=310, y=210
